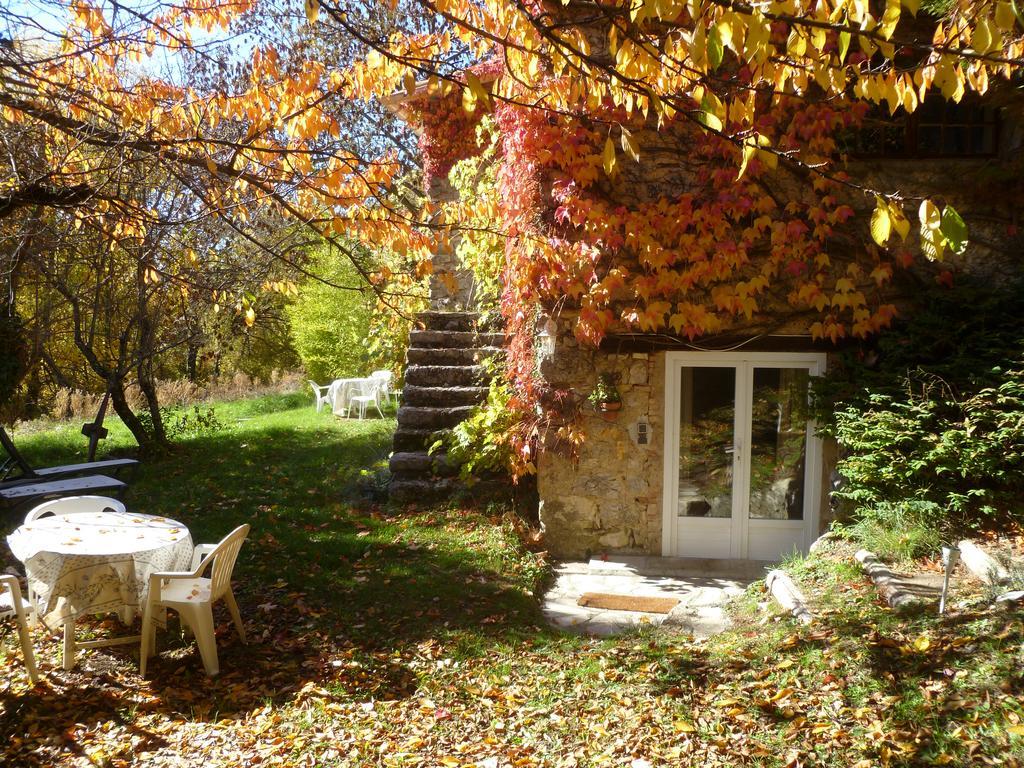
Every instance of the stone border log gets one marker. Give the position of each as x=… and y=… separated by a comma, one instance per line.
x=886, y=583
x=982, y=564
x=788, y=595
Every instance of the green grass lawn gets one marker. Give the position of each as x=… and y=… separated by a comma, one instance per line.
x=392, y=637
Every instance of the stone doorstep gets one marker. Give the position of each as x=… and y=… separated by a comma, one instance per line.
x=646, y=565
x=601, y=623
x=699, y=611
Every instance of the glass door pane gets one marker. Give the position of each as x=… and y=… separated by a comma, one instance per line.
x=778, y=443
x=706, y=441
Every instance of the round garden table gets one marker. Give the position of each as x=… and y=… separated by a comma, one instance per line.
x=96, y=562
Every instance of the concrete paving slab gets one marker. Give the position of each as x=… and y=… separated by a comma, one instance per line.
x=702, y=591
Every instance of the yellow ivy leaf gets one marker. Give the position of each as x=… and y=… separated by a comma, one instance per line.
x=922, y=643
x=881, y=224
x=250, y=316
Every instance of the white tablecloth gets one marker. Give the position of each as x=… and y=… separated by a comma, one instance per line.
x=342, y=391
x=97, y=562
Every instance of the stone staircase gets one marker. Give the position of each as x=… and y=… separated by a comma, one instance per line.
x=444, y=380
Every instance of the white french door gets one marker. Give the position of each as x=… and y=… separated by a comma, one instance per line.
x=742, y=463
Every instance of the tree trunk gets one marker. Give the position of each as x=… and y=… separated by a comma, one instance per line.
x=192, y=362
x=149, y=393
x=144, y=369
x=148, y=444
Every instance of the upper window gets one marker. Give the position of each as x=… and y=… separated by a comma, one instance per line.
x=938, y=128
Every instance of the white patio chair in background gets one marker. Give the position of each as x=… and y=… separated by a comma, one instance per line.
x=192, y=595
x=70, y=505
x=369, y=392
x=13, y=604
x=388, y=378
x=321, y=393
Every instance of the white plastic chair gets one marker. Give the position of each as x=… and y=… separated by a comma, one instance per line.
x=192, y=595
x=369, y=392
x=321, y=393
x=387, y=377
x=74, y=504
x=13, y=604
x=71, y=505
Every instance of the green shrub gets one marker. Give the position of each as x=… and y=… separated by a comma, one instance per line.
x=900, y=531
x=184, y=423
x=964, y=455
x=481, y=443
x=934, y=412
x=330, y=327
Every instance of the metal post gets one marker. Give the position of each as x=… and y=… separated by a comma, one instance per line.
x=950, y=557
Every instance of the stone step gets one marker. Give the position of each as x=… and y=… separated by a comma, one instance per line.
x=406, y=490
x=412, y=464
x=445, y=375
x=409, y=439
x=416, y=417
x=443, y=396
x=448, y=321
x=439, y=356
x=454, y=339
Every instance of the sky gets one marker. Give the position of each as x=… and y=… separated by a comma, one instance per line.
x=43, y=21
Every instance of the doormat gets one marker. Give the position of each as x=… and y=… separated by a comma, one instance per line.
x=627, y=602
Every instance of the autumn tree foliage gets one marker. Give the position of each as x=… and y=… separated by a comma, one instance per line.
x=739, y=108
x=138, y=210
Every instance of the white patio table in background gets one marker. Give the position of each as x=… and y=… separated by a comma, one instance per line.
x=343, y=390
x=96, y=562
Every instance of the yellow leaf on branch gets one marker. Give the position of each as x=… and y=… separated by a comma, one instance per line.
x=899, y=221
x=933, y=242
x=608, y=157
x=312, y=10
x=881, y=224
x=630, y=145
x=479, y=90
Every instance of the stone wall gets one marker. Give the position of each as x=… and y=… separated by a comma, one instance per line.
x=451, y=284
x=609, y=499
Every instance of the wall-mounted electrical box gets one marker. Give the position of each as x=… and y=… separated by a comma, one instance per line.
x=641, y=433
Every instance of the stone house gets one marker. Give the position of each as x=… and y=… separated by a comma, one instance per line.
x=712, y=454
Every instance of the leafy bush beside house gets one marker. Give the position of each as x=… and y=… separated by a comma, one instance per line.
x=932, y=417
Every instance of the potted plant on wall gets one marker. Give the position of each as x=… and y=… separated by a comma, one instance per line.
x=605, y=397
